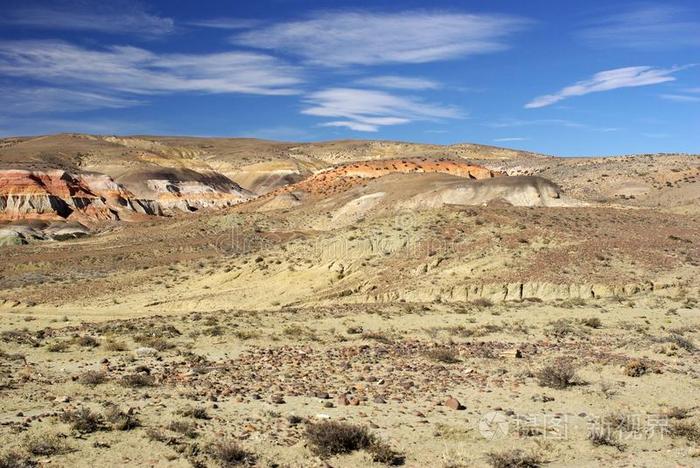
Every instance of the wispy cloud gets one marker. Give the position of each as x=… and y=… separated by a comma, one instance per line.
x=680, y=97
x=646, y=27
x=516, y=123
x=116, y=17
x=224, y=23
x=41, y=126
x=366, y=110
x=509, y=139
x=508, y=123
x=351, y=38
x=31, y=100
x=608, y=80
x=136, y=70
x=399, y=82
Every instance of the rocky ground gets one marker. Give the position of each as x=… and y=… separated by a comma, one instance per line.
x=456, y=384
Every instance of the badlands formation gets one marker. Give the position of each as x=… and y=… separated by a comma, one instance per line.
x=179, y=301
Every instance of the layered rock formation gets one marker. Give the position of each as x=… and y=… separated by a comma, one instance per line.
x=342, y=178
x=57, y=194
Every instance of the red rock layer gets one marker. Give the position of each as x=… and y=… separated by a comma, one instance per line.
x=341, y=178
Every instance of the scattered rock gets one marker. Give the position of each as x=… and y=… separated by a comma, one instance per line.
x=454, y=404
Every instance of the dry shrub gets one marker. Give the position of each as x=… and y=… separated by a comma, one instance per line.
x=592, y=322
x=92, y=378
x=689, y=430
x=328, y=438
x=184, y=427
x=383, y=453
x=121, y=420
x=83, y=420
x=58, y=346
x=513, y=459
x=559, y=375
x=636, y=368
x=115, y=346
x=87, y=341
x=443, y=354
x=605, y=437
x=228, y=452
x=45, y=444
x=195, y=412
x=138, y=380
x=14, y=459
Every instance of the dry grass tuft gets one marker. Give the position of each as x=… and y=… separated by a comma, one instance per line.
x=513, y=459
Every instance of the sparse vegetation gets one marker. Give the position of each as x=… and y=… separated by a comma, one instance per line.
x=87, y=341
x=592, y=322
x=138, y=380
x=560, y=375
x=15, y=459
x=83, y=420
x=45, y=443
x=92, y=378
x=115, y=346
x=58, y=346
x=605, y=437
x=184, y=427
x=515, y=458
x=228, y=452
x=687, y=430
x=636, y=368
x=443, y=354
x=121, y=420
x=328, y=438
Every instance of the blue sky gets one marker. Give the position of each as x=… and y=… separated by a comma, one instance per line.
x=560, y=77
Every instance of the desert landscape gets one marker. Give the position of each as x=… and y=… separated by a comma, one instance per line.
x=181, y=301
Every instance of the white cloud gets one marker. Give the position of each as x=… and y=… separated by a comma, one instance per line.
x=608, y=80
x=507, y=139
x=350, y=38
x=680, y=98
x=108, y=17
x=41, y=126
x=399, y=82
x=649, y=27
x=224, y=23
x=508, y=123
x=515, y=123
x=366, y=110
x=15, y=101
x=136, y=70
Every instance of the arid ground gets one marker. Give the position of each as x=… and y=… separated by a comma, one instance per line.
x=222, y=302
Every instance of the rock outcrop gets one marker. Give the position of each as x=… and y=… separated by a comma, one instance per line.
x=57, y=194
x=344, y=177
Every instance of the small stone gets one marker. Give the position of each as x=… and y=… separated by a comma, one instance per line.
x=518, y=353
x=453, y=403
x=62, y=399
x=379, y=399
